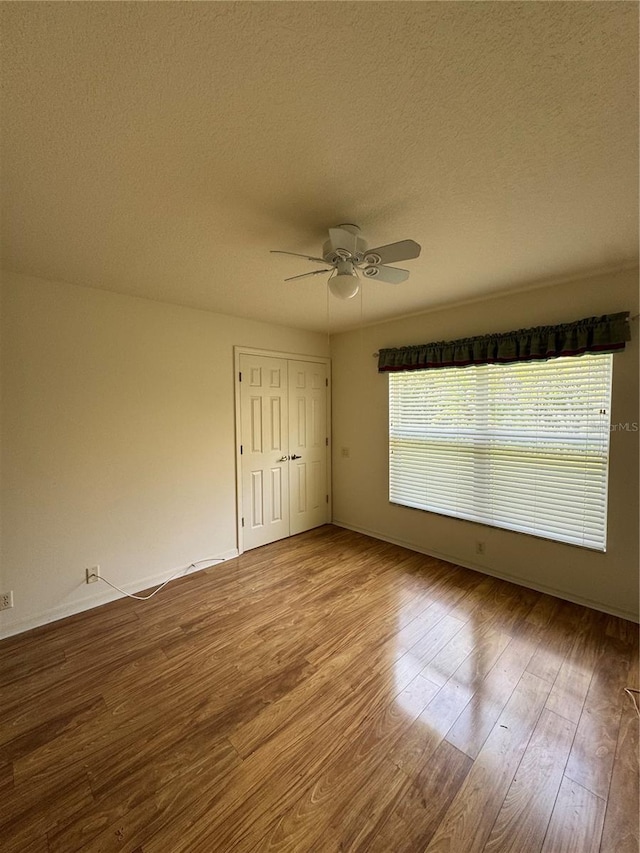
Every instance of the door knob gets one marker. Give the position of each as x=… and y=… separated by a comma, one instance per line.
x=296, y=457
x=283, y=459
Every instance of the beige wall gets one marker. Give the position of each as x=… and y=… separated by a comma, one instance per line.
x=117, y=440
x=360, y=424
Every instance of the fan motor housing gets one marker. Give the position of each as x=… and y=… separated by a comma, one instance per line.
x=332, y=256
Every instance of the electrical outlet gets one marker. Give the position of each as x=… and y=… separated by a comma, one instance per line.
x=6, y=600
x=92, y=574
x=346, y=452
x=479, y=547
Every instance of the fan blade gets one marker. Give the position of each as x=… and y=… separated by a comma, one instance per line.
x=298, y=255
x=392, y=275
x=403, y=250
x=305, y=274
x=341, y=239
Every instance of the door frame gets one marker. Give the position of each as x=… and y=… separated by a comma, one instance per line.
x=294, y=356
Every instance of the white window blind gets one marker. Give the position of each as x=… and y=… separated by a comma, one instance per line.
x=522, y=446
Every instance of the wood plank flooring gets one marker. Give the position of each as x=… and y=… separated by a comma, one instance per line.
x=329, y=692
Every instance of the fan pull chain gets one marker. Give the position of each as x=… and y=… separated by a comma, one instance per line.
x=328, y=321
x=361, y=320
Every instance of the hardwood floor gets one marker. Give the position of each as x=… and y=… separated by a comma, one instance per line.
x=325, y=693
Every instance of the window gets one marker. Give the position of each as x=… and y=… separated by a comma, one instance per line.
x=521, y=446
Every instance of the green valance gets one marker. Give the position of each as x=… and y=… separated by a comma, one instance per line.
x=593, y=334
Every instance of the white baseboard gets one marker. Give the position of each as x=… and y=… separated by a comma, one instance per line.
x=485, y=570
x=104, y=597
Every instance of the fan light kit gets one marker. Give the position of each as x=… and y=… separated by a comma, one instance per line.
x=345, y=253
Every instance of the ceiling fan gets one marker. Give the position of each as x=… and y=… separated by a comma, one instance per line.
x=346, y=252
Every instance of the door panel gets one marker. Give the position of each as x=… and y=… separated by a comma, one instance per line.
x=308, y=440
x=278, y=511
x=264, y=439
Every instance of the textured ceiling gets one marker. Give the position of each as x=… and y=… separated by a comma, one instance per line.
x=161, y=149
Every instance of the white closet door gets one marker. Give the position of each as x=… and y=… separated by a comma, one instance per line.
x=265, y=439
x=284, y=455
x=307, y=445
